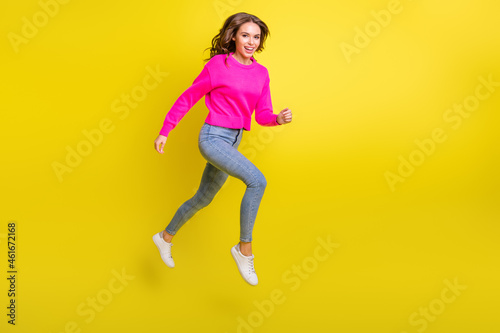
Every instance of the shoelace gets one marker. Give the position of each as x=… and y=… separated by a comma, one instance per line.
x=170, y=253
x=250, y=266
x=170, y=248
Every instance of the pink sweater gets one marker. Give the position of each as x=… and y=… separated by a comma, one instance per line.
x=232, y=94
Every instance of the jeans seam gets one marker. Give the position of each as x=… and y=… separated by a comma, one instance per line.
x=229, y=157
x=217, y=148
x=212, y=184
x=237, y=136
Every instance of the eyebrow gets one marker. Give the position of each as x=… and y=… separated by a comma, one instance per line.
x=243, y=32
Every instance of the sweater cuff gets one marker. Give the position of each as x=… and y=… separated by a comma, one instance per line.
x=165, y=131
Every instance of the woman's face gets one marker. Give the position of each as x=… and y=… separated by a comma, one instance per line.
x=247, y=40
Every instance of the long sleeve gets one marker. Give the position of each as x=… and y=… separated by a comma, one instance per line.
x=200, y=87
x=264, y=109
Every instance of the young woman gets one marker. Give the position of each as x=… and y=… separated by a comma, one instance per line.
x=235, y=85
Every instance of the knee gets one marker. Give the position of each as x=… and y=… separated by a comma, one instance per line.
x=202, y=199
x=263, y=182
x=260, y=181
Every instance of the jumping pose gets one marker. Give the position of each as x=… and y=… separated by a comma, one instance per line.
x=235, y=86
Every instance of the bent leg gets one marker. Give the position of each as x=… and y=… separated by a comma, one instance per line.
x=227, y=158
x=211, y=182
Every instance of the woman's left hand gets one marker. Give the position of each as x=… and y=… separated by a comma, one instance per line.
x=285, y=116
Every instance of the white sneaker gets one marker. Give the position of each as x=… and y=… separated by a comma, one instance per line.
x=245, y=265
x=165, y=249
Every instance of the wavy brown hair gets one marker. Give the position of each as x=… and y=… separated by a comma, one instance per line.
x=222, y=43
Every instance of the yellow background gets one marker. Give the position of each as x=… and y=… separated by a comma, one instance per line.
x=325, y=171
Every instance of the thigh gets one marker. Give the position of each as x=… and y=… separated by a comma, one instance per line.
x=221, y=153
x=230, y=135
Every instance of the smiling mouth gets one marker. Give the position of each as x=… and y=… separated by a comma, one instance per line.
x=249, y=48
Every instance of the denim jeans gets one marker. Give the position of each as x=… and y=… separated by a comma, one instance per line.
x=219, y=146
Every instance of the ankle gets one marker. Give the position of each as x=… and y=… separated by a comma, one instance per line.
x=246, y=248
x=167, y=237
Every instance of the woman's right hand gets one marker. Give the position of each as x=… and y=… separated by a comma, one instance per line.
x=160, y=143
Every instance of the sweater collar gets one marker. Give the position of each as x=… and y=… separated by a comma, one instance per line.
x=239, y=64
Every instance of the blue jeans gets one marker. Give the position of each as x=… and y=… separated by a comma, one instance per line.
x=219, y=146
